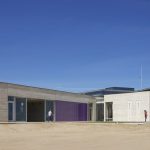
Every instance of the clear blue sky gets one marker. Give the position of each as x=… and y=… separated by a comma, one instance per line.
x=75, y=45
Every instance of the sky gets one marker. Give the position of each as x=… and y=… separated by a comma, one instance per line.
x=75, y=45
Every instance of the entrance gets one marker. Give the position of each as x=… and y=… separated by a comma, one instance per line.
x=21, y=109
x=109, y=111
x=100, y=112
x=35, y=110
x=90, y=108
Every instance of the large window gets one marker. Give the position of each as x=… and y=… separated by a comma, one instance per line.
x=20, y=109
x=49, y=106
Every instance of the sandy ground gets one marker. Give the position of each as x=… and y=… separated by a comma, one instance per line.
x=74, y=136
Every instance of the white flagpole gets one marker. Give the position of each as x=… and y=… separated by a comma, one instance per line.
x=141, y=77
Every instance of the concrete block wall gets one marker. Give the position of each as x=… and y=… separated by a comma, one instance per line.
x=130, y=107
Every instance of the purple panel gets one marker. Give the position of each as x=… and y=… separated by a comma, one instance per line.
x=82, y=112
x=71, y=111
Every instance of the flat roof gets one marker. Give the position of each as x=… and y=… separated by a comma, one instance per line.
x=112, y=89
x=13, y=85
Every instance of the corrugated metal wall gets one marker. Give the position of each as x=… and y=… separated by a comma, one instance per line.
x=70, y=111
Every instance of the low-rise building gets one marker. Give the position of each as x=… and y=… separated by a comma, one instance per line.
x=32, y=104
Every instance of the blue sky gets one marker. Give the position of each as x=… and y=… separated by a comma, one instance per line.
x=75, y=45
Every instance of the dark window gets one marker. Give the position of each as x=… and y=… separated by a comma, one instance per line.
x=49, y=106
x=20, y=109
x=10, y=98
x=100, y=112
x=10, y=111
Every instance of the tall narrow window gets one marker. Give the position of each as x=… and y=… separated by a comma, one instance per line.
x=10, y=108
x=49, y=106
x=20, y=109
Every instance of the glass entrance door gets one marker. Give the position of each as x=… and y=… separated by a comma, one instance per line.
x=20, y=109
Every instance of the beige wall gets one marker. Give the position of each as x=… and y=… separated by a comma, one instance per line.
x=36, y=93
x=3, y=105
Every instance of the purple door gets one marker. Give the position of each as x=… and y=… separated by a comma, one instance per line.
x=71, y=111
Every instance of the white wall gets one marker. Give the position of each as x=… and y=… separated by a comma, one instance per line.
x=130, y=106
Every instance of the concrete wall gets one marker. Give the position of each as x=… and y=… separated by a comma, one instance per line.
x=3, y=104
x=7, y=89
x=39, y=93
x=129, y=107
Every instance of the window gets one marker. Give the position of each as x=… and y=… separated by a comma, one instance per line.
x=10, y=108
x=10, y=98
x=20, y=109
x=49, y=106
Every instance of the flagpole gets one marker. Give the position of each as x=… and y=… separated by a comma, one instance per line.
x=141, y=77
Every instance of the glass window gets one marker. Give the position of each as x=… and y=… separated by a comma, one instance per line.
x=49, y=106
x=20, y=109
x=10, y=111
x=10, y=98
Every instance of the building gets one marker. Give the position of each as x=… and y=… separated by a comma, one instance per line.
x=127, y=107
x=120, y=104
x=100, y=100
x=31, y=104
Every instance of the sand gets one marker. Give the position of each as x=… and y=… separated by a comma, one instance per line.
x=74, y=136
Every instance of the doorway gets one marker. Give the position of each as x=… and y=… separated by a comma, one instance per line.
x=35, y=110
x=109, y=111
x=100, y=112
x=90, y=109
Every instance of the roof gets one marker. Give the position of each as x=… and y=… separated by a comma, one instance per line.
x=147, y=89
x=110, y=90
x=13, y=85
